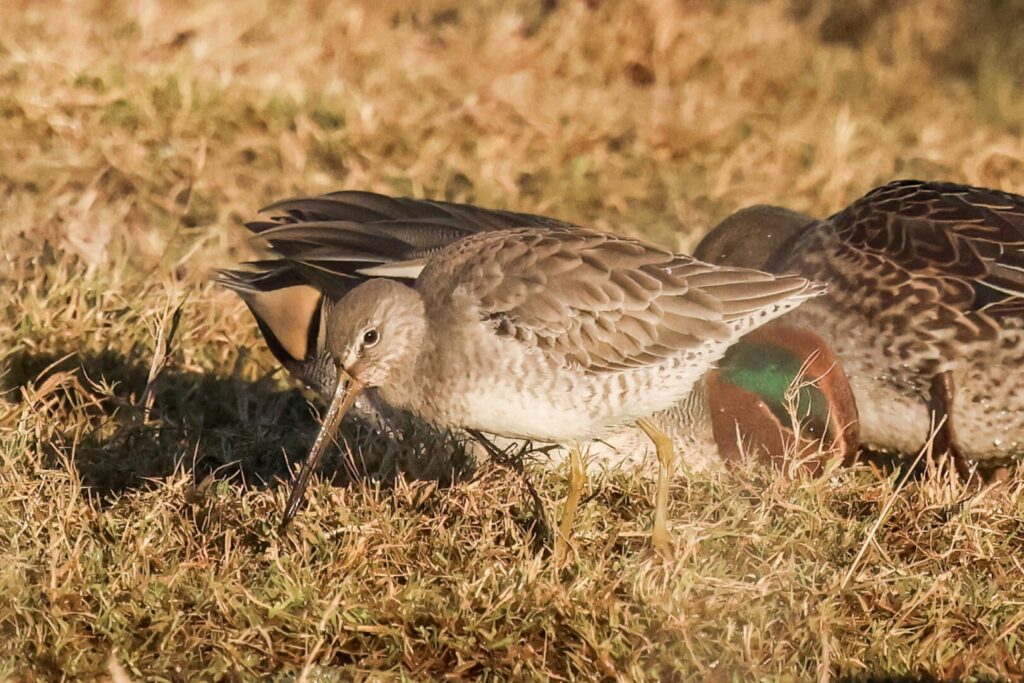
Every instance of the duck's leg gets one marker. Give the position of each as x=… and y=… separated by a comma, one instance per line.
x=666, y=465
x=940, y=402
x=577, y=478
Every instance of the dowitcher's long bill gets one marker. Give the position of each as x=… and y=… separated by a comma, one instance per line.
x=925, y=307
x=346, y=392
x=549, y=332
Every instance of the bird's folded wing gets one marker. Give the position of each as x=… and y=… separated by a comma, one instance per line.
x=601, y=302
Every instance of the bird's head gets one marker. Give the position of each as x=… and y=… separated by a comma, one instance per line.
x=372, y=331
x=749, y=237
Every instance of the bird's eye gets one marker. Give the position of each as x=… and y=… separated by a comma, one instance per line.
x=370, y=337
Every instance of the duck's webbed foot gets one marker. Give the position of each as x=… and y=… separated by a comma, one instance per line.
x=940, y=403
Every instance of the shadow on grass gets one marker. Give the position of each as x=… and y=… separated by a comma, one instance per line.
x=204, y=423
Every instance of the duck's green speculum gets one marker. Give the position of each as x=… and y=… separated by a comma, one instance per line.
x=769, y=371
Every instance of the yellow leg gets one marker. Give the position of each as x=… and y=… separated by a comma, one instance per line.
x=666, y=464
x=577, y=478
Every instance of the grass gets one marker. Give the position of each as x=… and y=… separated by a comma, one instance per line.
x=143, y=423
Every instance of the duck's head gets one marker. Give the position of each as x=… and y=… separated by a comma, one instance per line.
x=749, y=237
x=781, y=392
x=372, y=332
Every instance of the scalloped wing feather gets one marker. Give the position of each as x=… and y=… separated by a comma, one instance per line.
x=601, y=302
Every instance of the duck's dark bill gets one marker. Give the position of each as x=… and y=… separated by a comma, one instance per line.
x=344, y=396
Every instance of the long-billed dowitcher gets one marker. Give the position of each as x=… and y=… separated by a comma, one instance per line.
x=925, y=307
x=545, y=331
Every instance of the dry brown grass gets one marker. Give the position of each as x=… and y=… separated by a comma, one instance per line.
x=134, y=137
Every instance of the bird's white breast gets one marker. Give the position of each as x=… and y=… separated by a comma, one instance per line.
x=501, y=409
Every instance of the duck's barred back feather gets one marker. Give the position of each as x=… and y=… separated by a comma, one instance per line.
x=968, y=241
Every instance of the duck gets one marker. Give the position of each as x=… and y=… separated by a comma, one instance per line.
x=924, y=309
x=333, y=249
